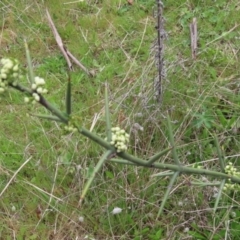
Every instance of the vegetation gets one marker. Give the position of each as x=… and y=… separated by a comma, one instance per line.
x=114, y=39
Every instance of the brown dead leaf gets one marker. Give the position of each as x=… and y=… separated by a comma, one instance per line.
x=130, y=2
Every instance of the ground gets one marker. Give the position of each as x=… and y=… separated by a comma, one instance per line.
x=115, y=40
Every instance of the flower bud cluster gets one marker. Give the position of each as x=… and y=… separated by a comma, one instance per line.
x=38, y=85
x=70, y=128
x=120, y=139
x=38, y=88
x=198, y=166
x=232, y=171
x=9, y=73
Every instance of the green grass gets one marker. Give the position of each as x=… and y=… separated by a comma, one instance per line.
x=114, y=39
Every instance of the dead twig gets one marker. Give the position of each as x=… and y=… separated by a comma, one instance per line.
x=224, y=34
x=14, y=175
x=59, y=40
x=193, y=34
x=66, y=53
x=91, y=73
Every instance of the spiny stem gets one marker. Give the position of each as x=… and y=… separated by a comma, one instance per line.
x=220, y=155
x=29, y=61
x=107, y=115
x=167, y=193
x=171, y=139
x=68, y=97
x=95, y=171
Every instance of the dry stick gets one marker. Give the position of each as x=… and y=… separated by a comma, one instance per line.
x=223, y=35
x=66, y=53
x=193, y=34
x=14, y=175
x=90, y=73
x=43, y=191
x=59, y=40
